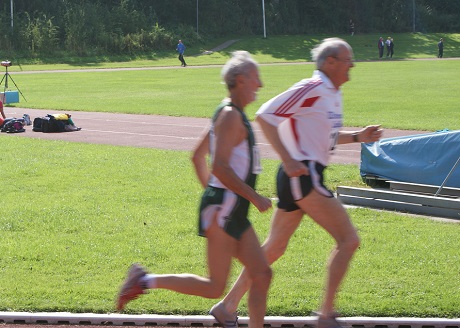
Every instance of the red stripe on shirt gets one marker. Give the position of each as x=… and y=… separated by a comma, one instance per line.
x=309, y=101
x=291, y=101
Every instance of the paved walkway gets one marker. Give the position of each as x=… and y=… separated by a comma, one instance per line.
x=219, y=47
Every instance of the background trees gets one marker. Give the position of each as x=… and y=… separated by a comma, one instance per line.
x=85, y=27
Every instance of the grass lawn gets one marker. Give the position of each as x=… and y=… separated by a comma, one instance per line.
x=75, y=216
x=273, y=49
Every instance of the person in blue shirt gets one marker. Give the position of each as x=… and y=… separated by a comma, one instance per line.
x=180, y=49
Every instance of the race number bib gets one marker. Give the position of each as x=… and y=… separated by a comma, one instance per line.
x=256, y=167
x=333, y=138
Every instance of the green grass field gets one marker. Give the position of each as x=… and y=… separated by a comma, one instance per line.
x=273, y=49
x=75, y=216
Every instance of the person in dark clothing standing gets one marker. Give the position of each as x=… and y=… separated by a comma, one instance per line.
x=181, y=49
x=440, y=48
x=381, y=46
x=352, y=27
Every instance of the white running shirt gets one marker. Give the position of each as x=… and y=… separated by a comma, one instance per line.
x=308, y=116
x=243, y=155
x=239, y=162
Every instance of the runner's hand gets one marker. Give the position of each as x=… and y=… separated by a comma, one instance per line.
x=371, y=133
x=295, y=168
x=262, y=203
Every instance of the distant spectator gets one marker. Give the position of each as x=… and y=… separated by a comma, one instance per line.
x=181, y=49
x=440, y=48
x=388, y=44
x=352, y=27
x=392, y=44
x=381, y=46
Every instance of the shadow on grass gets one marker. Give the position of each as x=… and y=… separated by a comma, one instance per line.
x=298, y=47
x=280, y=47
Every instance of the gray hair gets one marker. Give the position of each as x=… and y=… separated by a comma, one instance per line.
x=328, y=47
x=239, y=64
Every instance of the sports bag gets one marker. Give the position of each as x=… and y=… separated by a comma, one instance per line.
x=48, y=124
x=14, y=125
x=37, y=124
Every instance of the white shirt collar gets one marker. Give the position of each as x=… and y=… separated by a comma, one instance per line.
x=324, y=78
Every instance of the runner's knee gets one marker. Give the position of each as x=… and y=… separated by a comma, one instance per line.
x=216, y=290
x=273, y=251
x=262, y=279
x=350, y=243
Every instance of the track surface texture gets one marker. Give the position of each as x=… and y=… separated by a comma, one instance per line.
x=163, y=132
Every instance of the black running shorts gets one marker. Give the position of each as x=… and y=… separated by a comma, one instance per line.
x=290, y=190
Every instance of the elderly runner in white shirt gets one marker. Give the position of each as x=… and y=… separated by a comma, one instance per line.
x=303, y=125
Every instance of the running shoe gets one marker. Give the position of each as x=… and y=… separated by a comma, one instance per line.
x=132, y=287
x=225, y=318
x=328, y=322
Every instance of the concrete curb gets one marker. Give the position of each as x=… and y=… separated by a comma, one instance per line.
x=115, y=319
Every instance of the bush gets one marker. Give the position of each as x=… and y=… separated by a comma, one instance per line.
x=40, y=34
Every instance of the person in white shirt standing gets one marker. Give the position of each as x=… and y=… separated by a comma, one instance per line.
x=388, y=45
x=303, y=124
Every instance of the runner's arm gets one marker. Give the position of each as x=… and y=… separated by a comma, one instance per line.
x=371, y=133
x=199, y=159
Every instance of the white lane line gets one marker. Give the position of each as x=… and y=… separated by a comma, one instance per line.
x=143, y=134
x=143, y=122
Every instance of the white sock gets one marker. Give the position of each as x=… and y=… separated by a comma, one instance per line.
x=149, y=281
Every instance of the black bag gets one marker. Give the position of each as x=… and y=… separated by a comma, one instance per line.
x=48, y=124
x=13, y=125
x=37, y=125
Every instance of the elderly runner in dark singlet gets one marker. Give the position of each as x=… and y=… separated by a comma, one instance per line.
x=229, y=190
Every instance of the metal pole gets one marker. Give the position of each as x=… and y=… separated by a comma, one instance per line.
x=11, y=9
x=263, y=16
x=448, y=176
x=413, y=16
x=197, y=17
